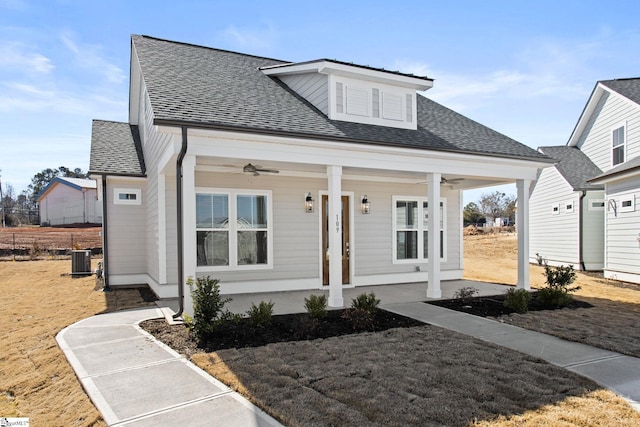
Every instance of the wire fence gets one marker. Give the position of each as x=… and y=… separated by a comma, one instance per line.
x=37, y=243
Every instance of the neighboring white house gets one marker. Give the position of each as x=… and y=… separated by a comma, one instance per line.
x=567, y=212
x=66, y=201
x=608, y=135
x=276, y=176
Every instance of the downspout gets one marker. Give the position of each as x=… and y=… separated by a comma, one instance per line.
x=183, y=152
x=105, y=246
x=580, y=231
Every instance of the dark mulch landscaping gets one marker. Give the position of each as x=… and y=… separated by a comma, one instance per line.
x=492, y=306
x=283, y=328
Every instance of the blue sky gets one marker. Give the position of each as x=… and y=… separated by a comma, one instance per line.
x=524, y=68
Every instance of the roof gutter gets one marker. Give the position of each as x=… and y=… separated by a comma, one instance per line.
x=105, y=240
x=274, y=132
x=580, y=230
x=179, y=196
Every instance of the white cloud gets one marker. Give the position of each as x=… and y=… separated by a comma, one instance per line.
x=251, y=38
x=15, y=56
x=88, y=57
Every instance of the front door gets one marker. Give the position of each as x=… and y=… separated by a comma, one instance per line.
x=345, y=240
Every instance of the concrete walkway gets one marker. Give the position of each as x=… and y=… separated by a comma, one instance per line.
x=615, y=371
x=135, y=380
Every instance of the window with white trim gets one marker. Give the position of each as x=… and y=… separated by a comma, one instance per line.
x=627, y=203
x=596, y=205
x=233, y=229
x=568, y=207
x=127, y=196
x=617, y=144
x=410, y=229
x=555, y=209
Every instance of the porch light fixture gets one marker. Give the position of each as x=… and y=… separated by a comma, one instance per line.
x=365, y=204
x=308, y=203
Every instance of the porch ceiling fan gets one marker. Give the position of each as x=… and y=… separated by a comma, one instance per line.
x=444, y=180
x=256, y=170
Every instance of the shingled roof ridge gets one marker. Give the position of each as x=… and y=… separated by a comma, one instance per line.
x=209, y=48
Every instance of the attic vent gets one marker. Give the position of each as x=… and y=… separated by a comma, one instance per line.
x=409, y=108
x=375, y=103
x=357, y=101
x=339, y=98
x=391, y=106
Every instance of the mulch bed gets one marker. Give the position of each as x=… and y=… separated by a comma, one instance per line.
x=493, y=306
x=283, y=328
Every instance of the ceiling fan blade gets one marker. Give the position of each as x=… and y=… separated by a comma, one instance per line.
x=268, y=170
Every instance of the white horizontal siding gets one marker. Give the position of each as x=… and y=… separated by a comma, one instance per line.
x=297, y=234
x=311, y=86
x=611, y=112
x=593, y=232
x=553, y=236
x=623, y=234
x=126, y=232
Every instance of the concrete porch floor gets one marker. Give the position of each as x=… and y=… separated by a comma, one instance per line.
x=293, y=301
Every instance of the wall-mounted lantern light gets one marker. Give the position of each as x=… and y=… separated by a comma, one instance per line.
x=308, y=203
x=365, y=204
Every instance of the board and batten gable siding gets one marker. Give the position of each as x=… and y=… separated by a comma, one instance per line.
x=623, y=232
x=592, y=231
x=612, y=111
x=126, y=231
x=311, y=86
x=553, y=236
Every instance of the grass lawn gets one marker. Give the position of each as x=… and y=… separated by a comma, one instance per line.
x=412, y=376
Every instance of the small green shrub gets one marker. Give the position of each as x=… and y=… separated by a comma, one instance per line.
x=362, y=311
x=517, y=300
x=360, y=319
x=260, y=315
x=465, y=293
x=316, y=306
x=557, y=291
x=208, y=307
x=368, y=303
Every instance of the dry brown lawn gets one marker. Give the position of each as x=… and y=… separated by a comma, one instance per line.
x=423, y=367
x=428, y=376
x=39, y=301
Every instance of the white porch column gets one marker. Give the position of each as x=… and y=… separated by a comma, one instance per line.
x=189, y=226
x=433, y=230
x=522, y=228
x=334, y=176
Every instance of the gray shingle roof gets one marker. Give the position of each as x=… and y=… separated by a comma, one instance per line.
x=629, y=88
x=211, y=87
x=574, y=166
x=116, y=149
x=627, y=166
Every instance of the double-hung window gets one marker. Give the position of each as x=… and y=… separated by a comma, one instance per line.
x=411, y=235
x=617, y=143
x=233, y=229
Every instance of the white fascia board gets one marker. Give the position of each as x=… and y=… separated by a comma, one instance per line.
x=134, y=87
x=332, y=68
x=632, y=173
x=298, y=150
x=589, y=108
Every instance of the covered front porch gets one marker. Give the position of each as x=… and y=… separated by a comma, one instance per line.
x=293, y=301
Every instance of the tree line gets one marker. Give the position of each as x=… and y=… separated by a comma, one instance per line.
x=22, y=209
x=489, y=207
